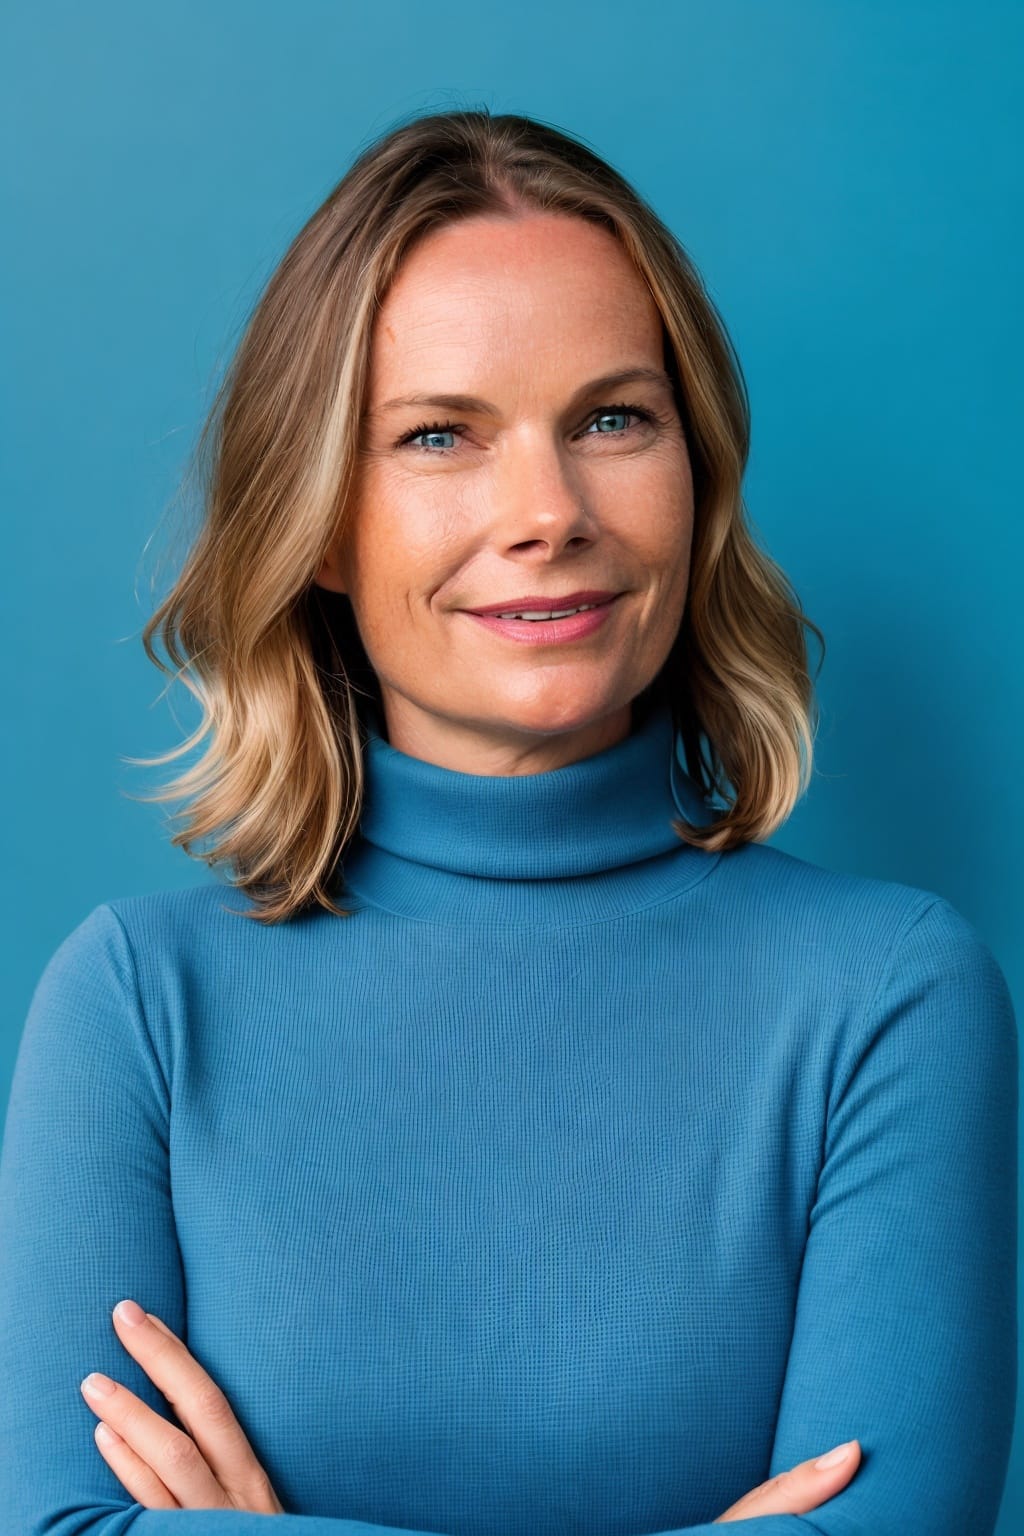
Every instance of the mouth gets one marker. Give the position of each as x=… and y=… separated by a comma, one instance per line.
x=587, y=621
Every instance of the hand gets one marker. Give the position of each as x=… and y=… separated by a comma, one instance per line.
x=211, y=1467
x=795, y=1492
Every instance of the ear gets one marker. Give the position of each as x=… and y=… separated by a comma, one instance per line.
x=331, y=574
x=326, y=577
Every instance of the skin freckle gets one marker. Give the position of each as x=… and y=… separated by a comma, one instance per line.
x=522, y=497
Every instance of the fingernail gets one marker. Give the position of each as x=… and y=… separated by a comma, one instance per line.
x=107, y=1435
x=130, y=1312
x=97, y=1385
x=833, y=1458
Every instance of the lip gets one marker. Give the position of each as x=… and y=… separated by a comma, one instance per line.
x=526, y=604
x=548, y=631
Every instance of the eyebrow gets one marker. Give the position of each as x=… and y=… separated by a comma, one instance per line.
x=485, y=408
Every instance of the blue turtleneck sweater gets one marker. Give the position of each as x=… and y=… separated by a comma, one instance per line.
x=577, y=1183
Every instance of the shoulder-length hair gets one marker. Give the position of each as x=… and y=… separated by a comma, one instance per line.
x=276, y=660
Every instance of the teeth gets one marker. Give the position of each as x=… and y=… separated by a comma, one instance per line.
x=555, y=613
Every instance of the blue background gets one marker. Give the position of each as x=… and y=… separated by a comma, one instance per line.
x=846, y=178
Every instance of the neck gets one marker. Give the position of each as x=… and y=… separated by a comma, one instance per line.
x=464, y=748
x=579, y=843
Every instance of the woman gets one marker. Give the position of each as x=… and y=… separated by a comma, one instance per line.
x=550, y=1154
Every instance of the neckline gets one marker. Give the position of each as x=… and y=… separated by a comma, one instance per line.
x=581, y=843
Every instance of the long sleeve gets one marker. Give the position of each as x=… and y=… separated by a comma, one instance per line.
x=86, y=1217
x=906, y=1326
x=905, y=1330
x=905, y=1335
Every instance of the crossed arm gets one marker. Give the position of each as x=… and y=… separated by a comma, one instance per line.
x=209, y=1464
x=905, y=1335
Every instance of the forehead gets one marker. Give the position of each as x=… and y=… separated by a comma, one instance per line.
x=546, y=297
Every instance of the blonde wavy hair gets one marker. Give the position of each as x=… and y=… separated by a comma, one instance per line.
x=276, y=660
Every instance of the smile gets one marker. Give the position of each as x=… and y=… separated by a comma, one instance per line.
x=577, y=625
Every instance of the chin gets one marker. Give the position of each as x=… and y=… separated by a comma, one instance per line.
x=562, y=716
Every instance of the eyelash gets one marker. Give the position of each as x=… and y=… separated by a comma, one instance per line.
x=452, y=426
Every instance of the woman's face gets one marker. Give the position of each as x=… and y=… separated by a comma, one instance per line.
x=549, y=482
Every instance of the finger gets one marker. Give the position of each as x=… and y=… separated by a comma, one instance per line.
x=197, y=1400
x=139, y=1481
x=797, y=1491
x=162, y=1326
x=172, y=1456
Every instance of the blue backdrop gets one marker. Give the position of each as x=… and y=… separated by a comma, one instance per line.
x=846, y=178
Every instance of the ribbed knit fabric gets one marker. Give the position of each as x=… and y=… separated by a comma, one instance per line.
x=575, y=1184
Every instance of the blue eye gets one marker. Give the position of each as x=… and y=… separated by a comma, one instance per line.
x=433, y=429
x=612, y=412
x=441, y=428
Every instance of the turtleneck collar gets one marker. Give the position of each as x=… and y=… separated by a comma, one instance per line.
x=580, y=843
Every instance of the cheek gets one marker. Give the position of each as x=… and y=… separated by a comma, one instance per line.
x=680, y=542
x=409, y=539
x=660, y=496
x=658, y=527
x=677, y=509
x=392, y=572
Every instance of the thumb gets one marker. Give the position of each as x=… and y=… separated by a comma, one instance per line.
x=797, y=1491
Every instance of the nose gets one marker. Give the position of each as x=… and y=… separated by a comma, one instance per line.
x=540, y=507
